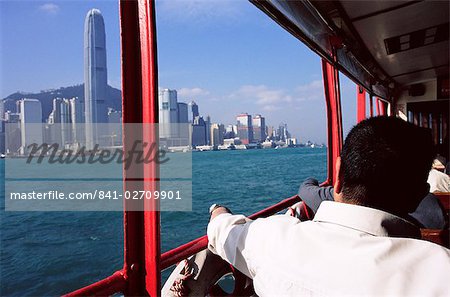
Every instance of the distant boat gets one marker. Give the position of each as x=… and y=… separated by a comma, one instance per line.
x=281, y=147
x=2, y=156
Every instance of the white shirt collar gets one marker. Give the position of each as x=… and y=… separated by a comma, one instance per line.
x=368, y=220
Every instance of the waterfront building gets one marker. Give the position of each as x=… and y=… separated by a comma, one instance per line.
x=217, y=134
x=259, y=128
x=115, y=127
x=173, y=119
x=282, y=133
x=12, y=132
x=292, y=141
x=2, y=110
x=168, y=114
x=193, y=111
x=53, y=128
x=270, y=131
x=63, y=125
x=12, y=117
x=230, y=132
x=9, y=105
x=76, y=110
x=65, y=120
x=183, y=124
x=30, y=114
x=198, y=131
x=208, y=130
x=95, y=75
x=183, y=116
x=244, y=128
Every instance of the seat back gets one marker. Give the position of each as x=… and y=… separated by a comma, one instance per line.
x=440, y=236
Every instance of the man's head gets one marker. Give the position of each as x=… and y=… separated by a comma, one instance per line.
x=439, y=163
x=384, y=164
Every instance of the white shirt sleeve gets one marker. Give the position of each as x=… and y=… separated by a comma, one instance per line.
x=244, y=243
x=226, y=238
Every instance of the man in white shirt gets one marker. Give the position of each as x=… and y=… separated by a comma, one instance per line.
x=438, y=180
x=359, y=245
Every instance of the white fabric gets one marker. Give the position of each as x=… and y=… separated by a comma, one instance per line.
x=344, y=251
x=439, y=181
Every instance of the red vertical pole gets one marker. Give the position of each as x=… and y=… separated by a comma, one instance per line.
x=377, y=105
x=381, y=107
x=333, y=104
x=139, y=106
x=361, y=103
x=371, y=105
x=152, y=230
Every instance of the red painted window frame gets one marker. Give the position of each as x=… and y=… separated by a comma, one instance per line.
x=142, y=255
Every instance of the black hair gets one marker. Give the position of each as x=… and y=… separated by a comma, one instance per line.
x=385, y=163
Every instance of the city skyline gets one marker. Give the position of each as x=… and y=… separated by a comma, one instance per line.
x=229, y=57
x=182, y=125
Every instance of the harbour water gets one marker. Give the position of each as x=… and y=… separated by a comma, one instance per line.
x=50, y=253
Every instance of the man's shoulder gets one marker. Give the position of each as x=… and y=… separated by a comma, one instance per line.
x=432, y=250
x=437, y=174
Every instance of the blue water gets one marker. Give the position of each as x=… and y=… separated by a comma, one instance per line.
x=50, y=253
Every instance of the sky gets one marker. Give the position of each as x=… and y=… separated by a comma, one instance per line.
x=226, y=55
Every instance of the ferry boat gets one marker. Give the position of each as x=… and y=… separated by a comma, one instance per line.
x=396, y=52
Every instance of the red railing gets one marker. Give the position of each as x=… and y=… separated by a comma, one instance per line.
x=118, y=282
x=112, y=284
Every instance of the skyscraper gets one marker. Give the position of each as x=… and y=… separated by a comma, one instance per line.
x=259, y=128
x=76, y=118
x=168, y=113
x=198, y=131
x=217, y=132
x=193, y=111
x=30, y=111
x=283, y=133
x=208, y=129
x=95, y=75
x=244, y=128
x=183, y=124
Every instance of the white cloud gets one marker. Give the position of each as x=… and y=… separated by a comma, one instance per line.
x=198, y=10
x=49, y=8
x=266, y=98
x=310, y=91
x=192, y=93
x=262, y=95
x=271, y=108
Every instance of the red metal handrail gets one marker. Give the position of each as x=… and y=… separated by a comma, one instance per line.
x=106, y=287
x=184, y=251
x=118, y=282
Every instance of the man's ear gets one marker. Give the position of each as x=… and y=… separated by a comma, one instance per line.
x=337, y=182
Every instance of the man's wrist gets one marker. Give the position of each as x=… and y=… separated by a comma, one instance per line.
x=217, y=209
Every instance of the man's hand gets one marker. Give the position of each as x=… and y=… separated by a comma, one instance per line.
x=216, y=210
x=299, y=211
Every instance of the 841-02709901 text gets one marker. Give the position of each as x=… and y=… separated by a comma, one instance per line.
x=97, y=194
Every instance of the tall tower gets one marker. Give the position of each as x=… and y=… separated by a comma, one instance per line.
x=244, y=128
x=168, y=113
x=95, y=75
x=259, y=128
x=30, y=111
x=193, y=111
